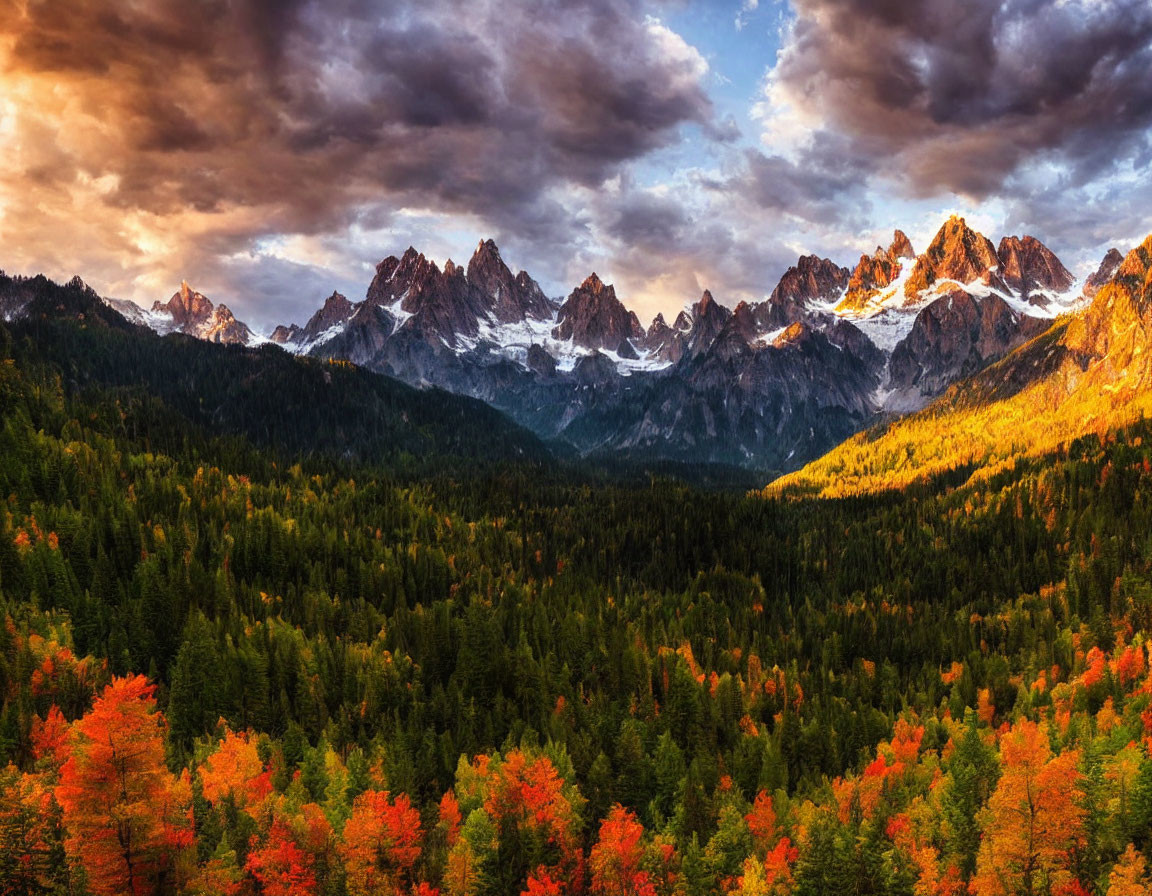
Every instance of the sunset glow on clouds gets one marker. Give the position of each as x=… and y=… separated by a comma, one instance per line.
x=271, y=152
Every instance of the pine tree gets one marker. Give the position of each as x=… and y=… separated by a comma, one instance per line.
x=972, y=774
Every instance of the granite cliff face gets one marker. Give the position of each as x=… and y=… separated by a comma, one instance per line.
x=334, y=313
x=592, y=317
x=811, y=281
x=708, y=318
x=664, y=343
x=1031, y=269
x=512, y=298
x=954, y=337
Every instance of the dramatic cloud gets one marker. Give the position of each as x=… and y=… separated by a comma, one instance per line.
x=273, y=150
x=962, y=95
x=195, y=131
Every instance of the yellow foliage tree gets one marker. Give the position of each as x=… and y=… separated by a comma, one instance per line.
x=1034, y=821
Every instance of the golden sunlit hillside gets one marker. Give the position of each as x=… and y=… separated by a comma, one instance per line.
x=1089, y=372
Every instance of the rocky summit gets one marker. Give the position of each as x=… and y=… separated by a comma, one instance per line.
x=958, y=254
x=192, y=313
x=876, y=271
x=592, y=317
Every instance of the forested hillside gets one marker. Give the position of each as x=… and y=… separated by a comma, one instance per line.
x=234, y=663
x=170, y=393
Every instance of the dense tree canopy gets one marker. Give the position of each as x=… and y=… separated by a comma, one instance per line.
x=224, y=670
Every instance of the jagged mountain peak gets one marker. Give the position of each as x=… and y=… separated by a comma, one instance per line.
x=811, y=279
x=744, y=318
x=1027, y=265
x=185, y=305
x=901, y=246
x=707, y=305
x=708, y=319
x=1109, y=265
x=662, y=342
x=193, y=313
x=510, y=298
x=487, y=257
x=876, y=272
x=592, y=283
x=335, y=311
x=395, y=276
x=957, y=253
x=811, y=282
x=594, y=318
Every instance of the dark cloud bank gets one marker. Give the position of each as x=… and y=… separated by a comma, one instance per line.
x=314, y=108
x=963, y=95
x=321, y=117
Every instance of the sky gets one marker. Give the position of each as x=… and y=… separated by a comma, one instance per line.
x=272, y=151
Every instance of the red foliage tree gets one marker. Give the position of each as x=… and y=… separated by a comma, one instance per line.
x=762, y=821
x=50, y=738
x=540, y=883
x=125, y=815
x=615, y=859
x=529, y=793
x=281, y=866
x=450, y=817
x=381, y=842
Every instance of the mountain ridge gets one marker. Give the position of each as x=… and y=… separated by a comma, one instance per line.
x=719, y=385
x=1089, y=372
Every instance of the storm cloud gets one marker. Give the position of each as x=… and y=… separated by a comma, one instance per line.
x=273, y=150
x=964, y=95
x=261, y=118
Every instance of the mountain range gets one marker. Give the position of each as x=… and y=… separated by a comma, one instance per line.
x=768, y=386
x=1088, y=374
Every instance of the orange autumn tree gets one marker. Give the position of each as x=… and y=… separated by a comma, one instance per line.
x=615, y=859
x=294, y=859
x=29, y=834
x=1034, y=821
x=125, y=816
x=1127, y=878
x=762, y=822
x=449, y=823
x=532, y=807
x=528, y=792
x=235, y=770
x=773, y=876
x=541, y=883
x=381, y=843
